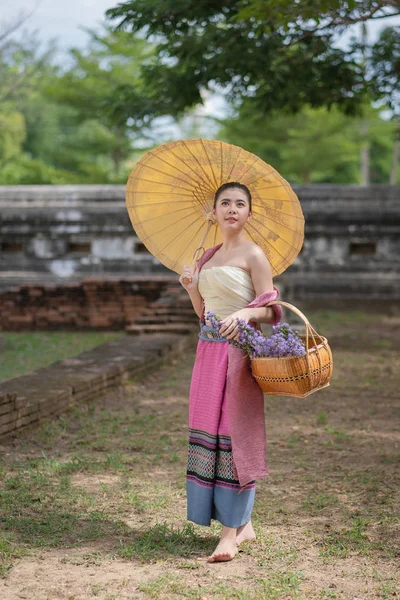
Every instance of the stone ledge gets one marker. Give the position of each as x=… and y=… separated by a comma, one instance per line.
x=25, y=401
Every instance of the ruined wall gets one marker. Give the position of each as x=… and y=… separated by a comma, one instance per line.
x=90, y=304
x=60, y=234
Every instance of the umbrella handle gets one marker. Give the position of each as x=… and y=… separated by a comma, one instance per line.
x=211, y=221
x=188, y=279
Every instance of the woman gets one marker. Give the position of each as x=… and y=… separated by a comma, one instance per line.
x=235, y=283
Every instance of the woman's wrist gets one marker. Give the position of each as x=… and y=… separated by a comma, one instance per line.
x=263, y=314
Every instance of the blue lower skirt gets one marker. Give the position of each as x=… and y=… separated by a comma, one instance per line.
x=230, y=507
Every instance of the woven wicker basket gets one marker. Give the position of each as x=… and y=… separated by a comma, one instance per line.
x=297, y=376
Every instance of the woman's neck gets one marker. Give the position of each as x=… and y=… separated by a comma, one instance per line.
x=231, y=242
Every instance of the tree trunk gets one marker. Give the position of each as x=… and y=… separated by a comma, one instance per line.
x=395, y=161
x=364, y=157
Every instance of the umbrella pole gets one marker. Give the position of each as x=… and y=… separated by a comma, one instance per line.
x=187, y=280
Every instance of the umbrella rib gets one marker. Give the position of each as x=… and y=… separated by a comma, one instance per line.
x=268, y=242
x=291, y=200
x=163, y=216
x=180, y=233
x=249, y=167
x=271, y=187
x=263, y=175
x=178, y=257
x=280, y=225
x=206, y=181
x=157, y=193
x=173, y=202
x=155, y=233
x=161, y=183
x=281, y=213
x=233, y=164
x=167, y=174
x=199, y=196
x=176, y=168
x=209, y=162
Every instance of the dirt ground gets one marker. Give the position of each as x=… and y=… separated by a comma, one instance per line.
x=93, y=503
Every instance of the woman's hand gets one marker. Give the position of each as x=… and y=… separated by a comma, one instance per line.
x=229, y=326
x=188, y=272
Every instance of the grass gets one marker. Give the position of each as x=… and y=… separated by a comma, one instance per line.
x=162, y=541
x=26, y=351
x=105, y=483
x=280, y=584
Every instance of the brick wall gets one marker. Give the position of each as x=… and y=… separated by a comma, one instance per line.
x=89, y=304
x=28, y=400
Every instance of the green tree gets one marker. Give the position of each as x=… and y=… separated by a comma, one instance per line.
x=104, y=86
x=74, y=125
x=313, y=145
x=280, y=53
x=13, y=133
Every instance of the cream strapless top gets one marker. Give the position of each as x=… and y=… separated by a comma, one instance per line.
x=225, y=289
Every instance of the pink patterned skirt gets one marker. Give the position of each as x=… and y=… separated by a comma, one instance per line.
x=212, y=488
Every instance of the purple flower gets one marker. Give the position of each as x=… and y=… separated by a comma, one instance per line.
x=283, y=342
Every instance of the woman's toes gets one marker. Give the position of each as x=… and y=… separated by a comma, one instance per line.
x=220, y=557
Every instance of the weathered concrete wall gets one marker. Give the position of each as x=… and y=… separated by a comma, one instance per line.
x=65, y=233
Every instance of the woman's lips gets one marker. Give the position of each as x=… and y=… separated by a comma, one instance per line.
x=232, y=219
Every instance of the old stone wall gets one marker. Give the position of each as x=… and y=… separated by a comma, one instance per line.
x=60, y=234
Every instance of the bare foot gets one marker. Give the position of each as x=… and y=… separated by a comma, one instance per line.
x=245, y=533
x=227, y=547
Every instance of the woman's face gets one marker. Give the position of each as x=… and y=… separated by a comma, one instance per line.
x=232, y=208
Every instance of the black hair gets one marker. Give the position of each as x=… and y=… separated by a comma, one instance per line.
x=232, y=184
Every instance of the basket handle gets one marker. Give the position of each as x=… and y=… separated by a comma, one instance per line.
x=309, y=330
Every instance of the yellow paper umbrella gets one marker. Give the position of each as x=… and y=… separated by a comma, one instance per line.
x=170, y=195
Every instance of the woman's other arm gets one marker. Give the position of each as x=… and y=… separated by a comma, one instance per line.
x=196, y=302
x=261, y=275
x=192, y=288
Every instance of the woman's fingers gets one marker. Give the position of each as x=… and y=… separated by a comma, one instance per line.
x=228, y=328
x=187, y=276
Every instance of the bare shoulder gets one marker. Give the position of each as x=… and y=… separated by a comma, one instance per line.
x=256, y=258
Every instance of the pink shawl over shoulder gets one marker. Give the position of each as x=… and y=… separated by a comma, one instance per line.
x=245, y=398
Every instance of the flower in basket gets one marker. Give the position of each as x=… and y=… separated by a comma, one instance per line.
x=283, y=342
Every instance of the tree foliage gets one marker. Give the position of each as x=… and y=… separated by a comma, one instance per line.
x=77, y=124
x=314, y=145
x=282, y=53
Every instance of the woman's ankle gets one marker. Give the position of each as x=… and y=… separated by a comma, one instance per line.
x=228, y=532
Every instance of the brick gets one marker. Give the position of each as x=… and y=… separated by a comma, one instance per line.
x=10, y=416
x=30, y=409
x=20, y=319
x=7, y=397
x=99, y=321
x=7, y=428
x=26, y=420
x=7, y=408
